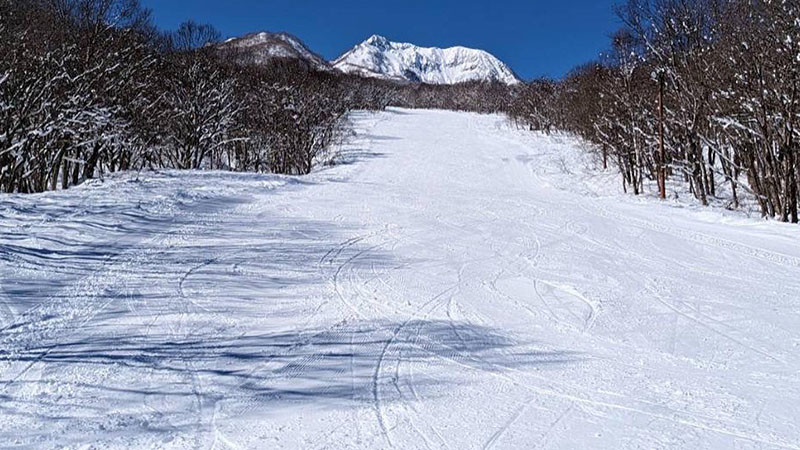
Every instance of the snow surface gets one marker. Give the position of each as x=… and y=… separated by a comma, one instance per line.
x=448, y=285
x=380, y=58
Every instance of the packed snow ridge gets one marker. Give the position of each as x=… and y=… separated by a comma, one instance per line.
x=380, y=58
x=262, y=47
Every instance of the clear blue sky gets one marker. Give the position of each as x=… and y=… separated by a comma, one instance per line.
x=535, y=37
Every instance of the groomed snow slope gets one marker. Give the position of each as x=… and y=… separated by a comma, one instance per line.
x=446, y=288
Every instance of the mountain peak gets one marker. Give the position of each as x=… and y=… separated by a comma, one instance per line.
x=377, y=40
x=261, y=47
x=379, y=57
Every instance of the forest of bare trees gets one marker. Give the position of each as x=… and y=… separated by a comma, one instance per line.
x=89, y=87
x=701, y=92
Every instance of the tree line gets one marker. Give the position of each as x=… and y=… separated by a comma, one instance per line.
x=701, y=92
x=90, y=87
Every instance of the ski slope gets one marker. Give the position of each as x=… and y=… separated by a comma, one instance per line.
x=454, y=283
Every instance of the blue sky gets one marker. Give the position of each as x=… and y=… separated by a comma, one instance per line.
x=535, y=37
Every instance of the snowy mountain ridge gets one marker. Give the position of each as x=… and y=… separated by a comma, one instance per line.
x=381, y=58
x=262, y=47
x=378, y=57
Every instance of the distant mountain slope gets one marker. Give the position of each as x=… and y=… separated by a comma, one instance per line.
x=259, y=48
x=380, y=58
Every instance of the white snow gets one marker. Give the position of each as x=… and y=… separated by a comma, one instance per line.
x=448, y=285
x=378, y=57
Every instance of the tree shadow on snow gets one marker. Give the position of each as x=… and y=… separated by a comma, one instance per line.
x=356, y=155
x=346, y=365
x=53, y=242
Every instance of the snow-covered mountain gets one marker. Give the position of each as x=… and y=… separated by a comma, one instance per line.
x=260, y=48
x=378, y=57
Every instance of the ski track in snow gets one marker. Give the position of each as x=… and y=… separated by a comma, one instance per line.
x=454, y=283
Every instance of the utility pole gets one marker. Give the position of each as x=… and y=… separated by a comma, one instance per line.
x=662, y=159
